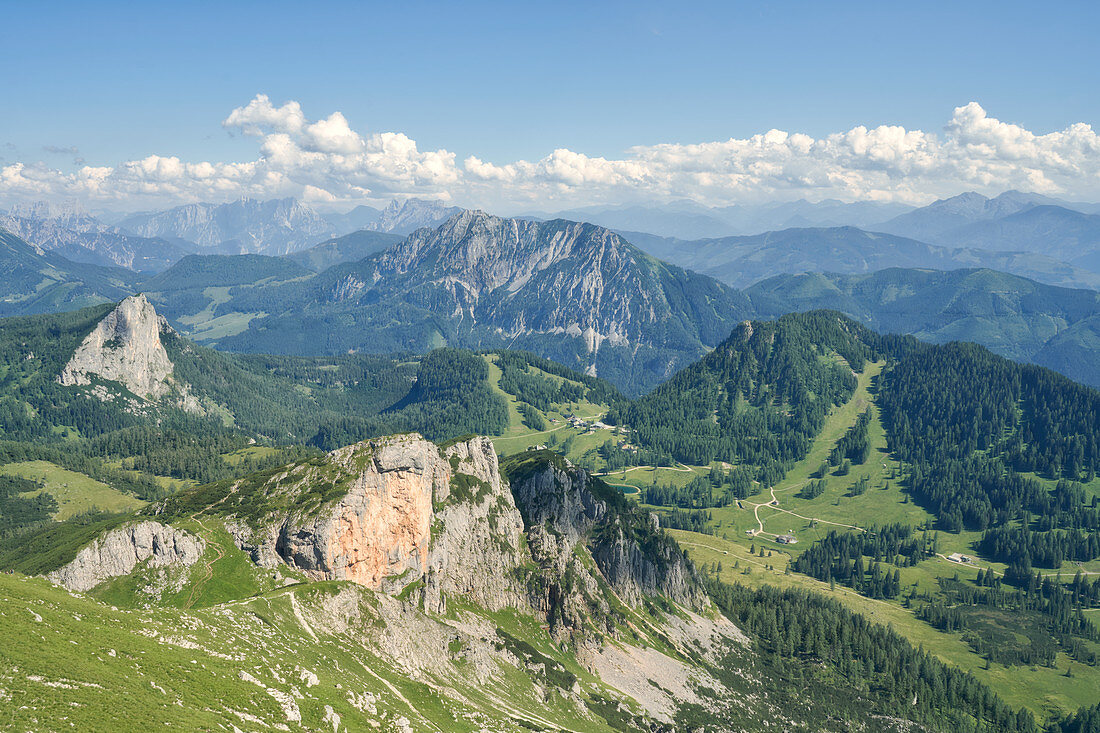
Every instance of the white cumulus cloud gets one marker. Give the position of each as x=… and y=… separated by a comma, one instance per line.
x=326, y=161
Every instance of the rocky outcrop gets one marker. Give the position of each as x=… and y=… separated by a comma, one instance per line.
x=380, y=530
x=124, y=347
x=564, y=506
x=405, y=511
x=409, y=512
x=477, y=545
x=119, y=551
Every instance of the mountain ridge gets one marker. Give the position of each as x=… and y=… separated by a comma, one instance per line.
x=745, y=260
x=568, y=289
x=1012, y=316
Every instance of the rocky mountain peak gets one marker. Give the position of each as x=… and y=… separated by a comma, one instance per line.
x=485, y=252
x=46, y=210
x=278, y=226
x=124, y=347
x=403, y=217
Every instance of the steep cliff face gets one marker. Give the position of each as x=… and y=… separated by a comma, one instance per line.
x=402, y=510
x=390, y=512
x=381, y=529
x=477, y=543
x=564, y=506
x=126, y=347
x=121, y=550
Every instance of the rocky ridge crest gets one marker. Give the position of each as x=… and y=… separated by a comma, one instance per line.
x=563, y=507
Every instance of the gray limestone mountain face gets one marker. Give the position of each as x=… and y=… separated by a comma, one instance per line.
x=558, y=278
x=575, y=293
x=524, y=275
x=563, y=506
x=119, y=552
x=124, y=347
x=78, y=236
x=478, y=543
x=411, y=512
x=444, y=517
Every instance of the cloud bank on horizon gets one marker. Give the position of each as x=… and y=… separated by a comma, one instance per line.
x=324, y=161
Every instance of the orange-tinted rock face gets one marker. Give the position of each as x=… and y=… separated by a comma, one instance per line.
x=383, y=527
x=379, y=534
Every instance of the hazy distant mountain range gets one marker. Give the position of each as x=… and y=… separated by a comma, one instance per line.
x=742, y=261
x=1019, y=318
x=246, y=226
x=689, y=220
x=1011, y=221
x=152, y=241
x=575, y=292
x=407, y=216
x=78, y=236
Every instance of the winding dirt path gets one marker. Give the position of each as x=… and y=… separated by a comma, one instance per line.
x=819, y=521
x=681, y=469
x=774, y=504
x=208, y=570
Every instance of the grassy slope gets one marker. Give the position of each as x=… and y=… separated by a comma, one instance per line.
x=71, y=660
x=518, y=437
x=75, y=493
x=1046, y=691
x=206, y=327
x=182, y=648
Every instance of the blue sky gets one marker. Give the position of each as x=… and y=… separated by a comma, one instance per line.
x=509, y=82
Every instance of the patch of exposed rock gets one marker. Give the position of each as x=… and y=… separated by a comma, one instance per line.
x=563, y=506
x=409, y=511
x=125, y=347
x=477, y=544
x=119, y=551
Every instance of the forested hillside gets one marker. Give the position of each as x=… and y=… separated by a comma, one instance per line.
x=889, y=468
x=45, y=282
x=760, y=397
